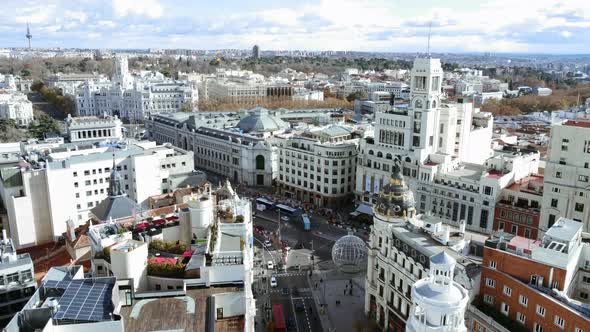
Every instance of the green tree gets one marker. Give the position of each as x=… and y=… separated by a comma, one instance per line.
x=44, y=124
x=356, y=95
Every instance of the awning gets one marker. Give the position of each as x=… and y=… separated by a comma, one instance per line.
x=364, y=209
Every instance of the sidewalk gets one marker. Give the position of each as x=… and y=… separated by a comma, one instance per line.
x=351, y=308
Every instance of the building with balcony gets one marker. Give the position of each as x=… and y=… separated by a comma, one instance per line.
x=17, y=281
x=439, y=301
x=206, y=242
x=402, y=244
x=518, y=208
x=541, y=285
x=317, y=165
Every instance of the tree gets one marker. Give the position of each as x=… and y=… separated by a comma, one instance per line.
x=356, y=95
x=9, y=132
x=44, y=125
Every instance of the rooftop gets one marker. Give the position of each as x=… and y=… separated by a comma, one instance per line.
x=564, y=229
x=182, y=313
x=577, y=123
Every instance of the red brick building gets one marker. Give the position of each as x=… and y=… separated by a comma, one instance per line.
x=518, y=209
x=524, y=279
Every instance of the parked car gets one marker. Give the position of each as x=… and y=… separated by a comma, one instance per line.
x=270, y=265
x=273, y=281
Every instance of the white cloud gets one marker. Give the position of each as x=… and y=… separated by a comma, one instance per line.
x=76, y=15
x=566, y=34
x=106, y=24
x=149, y=8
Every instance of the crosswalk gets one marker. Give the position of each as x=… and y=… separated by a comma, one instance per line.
x=290, y=274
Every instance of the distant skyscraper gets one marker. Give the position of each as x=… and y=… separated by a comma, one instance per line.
x=29, y=35
x=256, y=52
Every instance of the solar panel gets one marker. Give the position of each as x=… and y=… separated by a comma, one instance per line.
x=84, y=299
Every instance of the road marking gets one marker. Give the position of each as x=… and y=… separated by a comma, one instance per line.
x=294, y=314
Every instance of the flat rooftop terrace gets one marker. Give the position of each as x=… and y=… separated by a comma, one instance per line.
x=177, y=314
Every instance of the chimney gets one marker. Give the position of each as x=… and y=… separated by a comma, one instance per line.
x=4, y=237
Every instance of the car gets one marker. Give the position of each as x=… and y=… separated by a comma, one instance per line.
x=273, y=281
x=299, y=306
x=291, y=324
x=267, y=243
x=270, y=265
x=285, y=218
x=285, y=291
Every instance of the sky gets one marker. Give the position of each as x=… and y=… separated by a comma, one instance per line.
x=457, y=26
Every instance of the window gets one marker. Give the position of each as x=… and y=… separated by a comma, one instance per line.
x=540, y=311
x=491, y=283
x=492, y=264
x=579, y=329
x=579, y=207
x=523, y=300
x=507, y=290
x=504, y=308
x=520, y=317
x=554, y=202
x=551, y=220
x=583, y=178
x=559, y=322
x=558, y=175
x=584, y=295
x=537, y=328
x=488, y=299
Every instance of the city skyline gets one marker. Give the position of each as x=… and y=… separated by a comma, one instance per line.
x=380, y=26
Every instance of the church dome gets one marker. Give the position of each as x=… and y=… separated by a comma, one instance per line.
x=395, y=200
x=261, y=121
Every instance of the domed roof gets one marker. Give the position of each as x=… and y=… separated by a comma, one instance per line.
x=260, y=120
x=395, y=200
x=451, y=296
x=442, y=258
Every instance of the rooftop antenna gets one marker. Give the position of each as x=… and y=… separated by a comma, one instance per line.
x=429, y=31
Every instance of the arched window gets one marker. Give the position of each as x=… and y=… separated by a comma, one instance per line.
x=371, y=152
x=408, y=160
x=434, y=104
x=418, y=103
x=388, y=156
x=260, y=162
x=379, y=154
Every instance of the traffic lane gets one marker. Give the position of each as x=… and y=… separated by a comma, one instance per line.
x=305, y=311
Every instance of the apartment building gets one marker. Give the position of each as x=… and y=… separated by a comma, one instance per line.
x=16, y=106
x=17, y=279
x=541, y=284
x=567, y=174
x=518, y=209
x=317, y=166
x=53, y=182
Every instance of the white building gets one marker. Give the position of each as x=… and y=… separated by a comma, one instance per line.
x=16, y=106
x=17, y=279
x=406, y=247
x=133, y=96
x=52, y=183
x=69, y=84
x=93, y=128
x=567, y=175
x=15, y=83
x=317, y=166
x=216, y=225
x=439, y=301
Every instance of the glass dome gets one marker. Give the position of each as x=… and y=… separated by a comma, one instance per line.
x=349, y=254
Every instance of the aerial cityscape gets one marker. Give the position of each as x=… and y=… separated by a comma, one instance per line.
x=294, y=166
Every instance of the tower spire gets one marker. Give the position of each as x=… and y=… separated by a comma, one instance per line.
x=29, y=35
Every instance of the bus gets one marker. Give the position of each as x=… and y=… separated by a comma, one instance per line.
x=278, y=317
x=287, y=210
x=264, y=204
x=306, y=222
